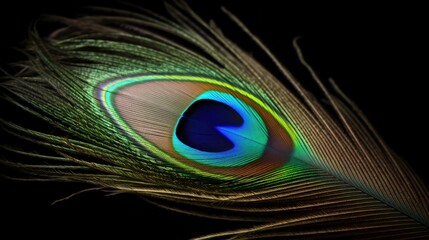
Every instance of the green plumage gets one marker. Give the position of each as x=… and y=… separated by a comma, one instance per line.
x=115, y=84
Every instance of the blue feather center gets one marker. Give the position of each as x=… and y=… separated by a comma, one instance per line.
x=198, y=126
x=218, y=129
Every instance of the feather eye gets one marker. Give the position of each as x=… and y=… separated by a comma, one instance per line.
x=174, y=111
x=199, y=123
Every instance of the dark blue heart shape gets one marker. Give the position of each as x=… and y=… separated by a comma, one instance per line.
x=197, y=126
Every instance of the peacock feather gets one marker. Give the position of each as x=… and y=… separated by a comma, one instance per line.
x=172, y=110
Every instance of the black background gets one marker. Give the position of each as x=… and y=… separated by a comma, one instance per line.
x=377, y=54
